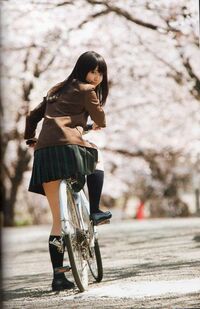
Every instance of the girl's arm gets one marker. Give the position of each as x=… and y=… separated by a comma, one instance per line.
x=33, y=118
x=93, y=107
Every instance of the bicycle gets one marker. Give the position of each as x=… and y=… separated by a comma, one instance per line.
x=79, y=236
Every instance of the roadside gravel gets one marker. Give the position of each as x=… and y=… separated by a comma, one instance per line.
x=147, y=264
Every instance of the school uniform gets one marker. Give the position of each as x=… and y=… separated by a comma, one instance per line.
x=60, y=150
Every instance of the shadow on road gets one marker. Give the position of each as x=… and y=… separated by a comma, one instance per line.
x=146, y=269
x=30, y=286
x=197, y=239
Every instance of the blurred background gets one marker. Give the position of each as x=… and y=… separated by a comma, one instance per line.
x=151, y=146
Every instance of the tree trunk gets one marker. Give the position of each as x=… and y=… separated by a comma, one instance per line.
x=23, y=158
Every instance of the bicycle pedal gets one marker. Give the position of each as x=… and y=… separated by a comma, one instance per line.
x=59, y=270
x=104, y=222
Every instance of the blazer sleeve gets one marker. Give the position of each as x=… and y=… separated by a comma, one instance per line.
x=33, y=118
x=93, y=107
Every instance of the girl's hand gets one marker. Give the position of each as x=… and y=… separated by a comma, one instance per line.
x=95, y=127
x=31, y=142
x=32, y=145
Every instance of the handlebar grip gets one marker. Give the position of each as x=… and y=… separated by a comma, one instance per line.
x=89, y=127
x=30, y=141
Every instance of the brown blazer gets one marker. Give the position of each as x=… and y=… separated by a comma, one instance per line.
x=65, y=117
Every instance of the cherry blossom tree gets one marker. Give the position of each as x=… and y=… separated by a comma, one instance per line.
x=151, y=143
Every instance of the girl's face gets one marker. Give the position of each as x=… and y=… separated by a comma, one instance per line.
x=94, y=77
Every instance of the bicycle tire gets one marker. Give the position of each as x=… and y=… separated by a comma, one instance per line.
x=98, y=272
x=94, y=255
x=81, y=282
x=72, y=236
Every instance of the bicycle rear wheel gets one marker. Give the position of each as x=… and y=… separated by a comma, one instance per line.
x=73, y=236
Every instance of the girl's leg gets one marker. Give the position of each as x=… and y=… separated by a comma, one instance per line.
x=51, y=190
x=95, y=185
x=56, y=248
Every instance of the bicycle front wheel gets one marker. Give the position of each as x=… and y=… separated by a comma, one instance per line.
x=94, y=255
x=73, y=237
x=95, y=262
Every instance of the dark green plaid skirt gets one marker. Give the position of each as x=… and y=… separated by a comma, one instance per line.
x=62, y=162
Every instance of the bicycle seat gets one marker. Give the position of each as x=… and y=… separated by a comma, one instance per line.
x=77, y=182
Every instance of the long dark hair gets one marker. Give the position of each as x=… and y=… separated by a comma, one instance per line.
x=87, y=62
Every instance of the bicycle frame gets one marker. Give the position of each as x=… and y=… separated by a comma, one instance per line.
x=79, y=235
x=79, y=199
x=84, y=201
x=63, y=208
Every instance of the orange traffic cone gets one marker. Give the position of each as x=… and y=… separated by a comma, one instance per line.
x=140, y=211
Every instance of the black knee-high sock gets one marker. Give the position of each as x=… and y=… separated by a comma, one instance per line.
x=56, y=250
x=95, y=185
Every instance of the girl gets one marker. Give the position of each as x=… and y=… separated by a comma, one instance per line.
x=61, y=152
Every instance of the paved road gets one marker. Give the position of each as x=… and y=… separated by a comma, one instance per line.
x=147, y=264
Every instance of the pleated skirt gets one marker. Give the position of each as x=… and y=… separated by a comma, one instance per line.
x=62, y=162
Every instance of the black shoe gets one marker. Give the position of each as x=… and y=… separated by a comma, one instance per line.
x=100, y=216
x=60, y=284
